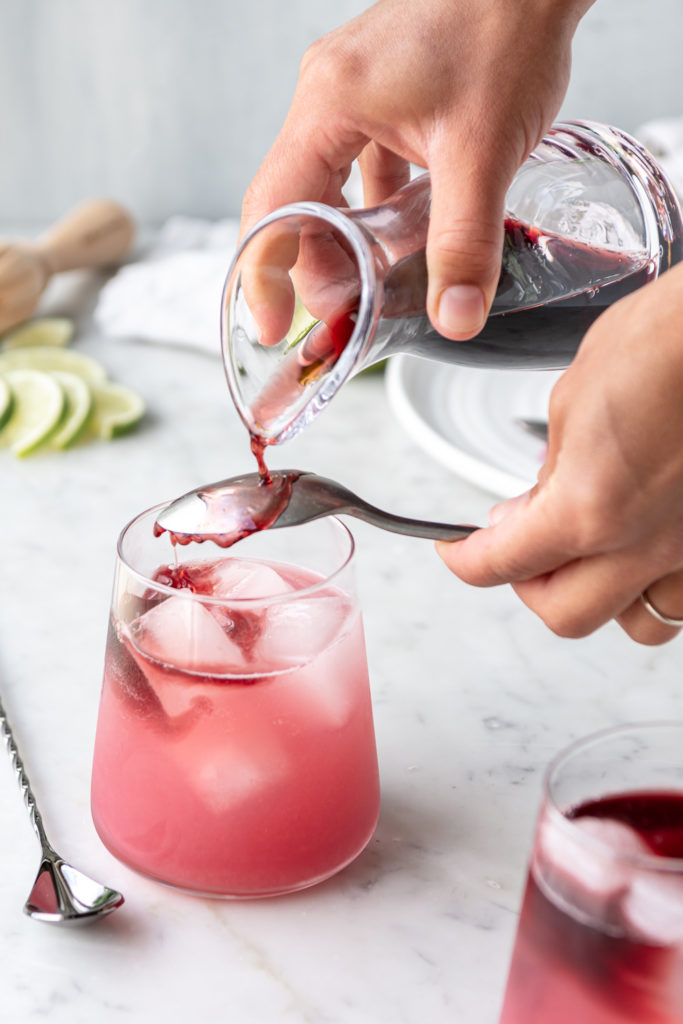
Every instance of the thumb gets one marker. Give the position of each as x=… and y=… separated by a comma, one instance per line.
x=464, y=246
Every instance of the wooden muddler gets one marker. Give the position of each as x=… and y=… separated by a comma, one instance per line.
x=96, y=233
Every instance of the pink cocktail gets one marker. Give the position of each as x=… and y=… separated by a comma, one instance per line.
x=235, y=751
x=600, y=937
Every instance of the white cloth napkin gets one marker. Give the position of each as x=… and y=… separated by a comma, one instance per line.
x=172, y=295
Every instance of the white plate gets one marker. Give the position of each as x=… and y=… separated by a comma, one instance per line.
x=467, y=418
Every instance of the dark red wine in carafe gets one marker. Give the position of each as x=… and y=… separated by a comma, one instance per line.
x=591, y=218
x=550, y=291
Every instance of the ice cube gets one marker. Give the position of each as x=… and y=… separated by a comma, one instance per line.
x=239, y=578
x=323, y=648
x=587, y=876
x=181, y=632
x=600, y=224
x=653, y=907
x=295, y=631
x=618, y=837
x=226, y=777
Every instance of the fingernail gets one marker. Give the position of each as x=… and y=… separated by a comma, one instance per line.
x=461, y=309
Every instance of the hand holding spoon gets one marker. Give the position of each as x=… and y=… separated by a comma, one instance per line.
x=229, y=510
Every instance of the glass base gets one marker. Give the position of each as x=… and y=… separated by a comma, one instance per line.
x=266, y=893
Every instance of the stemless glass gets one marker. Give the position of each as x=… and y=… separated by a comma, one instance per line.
x=235, y=752
x=600, y=937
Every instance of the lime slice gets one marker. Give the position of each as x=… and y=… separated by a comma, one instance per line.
x=48, y=358
x=116, y=410
x=79, y=405
x=51, y=331
x=39, y=403
x=6, y=402
x=302, y=321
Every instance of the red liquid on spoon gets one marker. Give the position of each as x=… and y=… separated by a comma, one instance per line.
x=248, y=507
x=257, y=508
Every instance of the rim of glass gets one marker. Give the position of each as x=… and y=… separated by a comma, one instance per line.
x=650, y=861
x=341, y=528
x=361, y=336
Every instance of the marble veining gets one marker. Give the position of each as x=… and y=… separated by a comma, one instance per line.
x=472, y=697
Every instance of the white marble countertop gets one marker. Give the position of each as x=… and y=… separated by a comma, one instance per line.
x=472, y=696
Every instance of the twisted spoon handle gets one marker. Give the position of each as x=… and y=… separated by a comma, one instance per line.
x=22, y=778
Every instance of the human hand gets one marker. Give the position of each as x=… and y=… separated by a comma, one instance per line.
x=605, y=520
x=464, y=89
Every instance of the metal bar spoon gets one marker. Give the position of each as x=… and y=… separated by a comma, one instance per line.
x=60, y=894
x=229, y=510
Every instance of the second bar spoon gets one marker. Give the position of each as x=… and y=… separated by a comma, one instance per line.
x=61, y=894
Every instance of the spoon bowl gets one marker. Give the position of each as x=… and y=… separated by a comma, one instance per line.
x=232, y=509
x=61, y=894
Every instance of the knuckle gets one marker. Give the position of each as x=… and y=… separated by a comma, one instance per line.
x=588, y=519
x=252, y=195
x=570, y=623
x=254, y=202
x=331, y=63
x=470, y=242
x=560, y=399
x=313, y=56
x=505, y=567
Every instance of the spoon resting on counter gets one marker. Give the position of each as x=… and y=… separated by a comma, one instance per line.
x=227, y=511
x=60, y=894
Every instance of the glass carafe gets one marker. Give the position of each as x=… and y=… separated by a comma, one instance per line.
x=316, y=294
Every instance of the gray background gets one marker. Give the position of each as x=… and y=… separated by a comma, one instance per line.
x=169, y=105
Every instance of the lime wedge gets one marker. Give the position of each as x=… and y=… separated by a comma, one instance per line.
x=38, y=407
x=6, y=402
x=47, y=358
x=51, y=331
x=79, y=405
x=116, y=410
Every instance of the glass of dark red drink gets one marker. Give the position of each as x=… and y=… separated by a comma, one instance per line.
x=600, y=937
